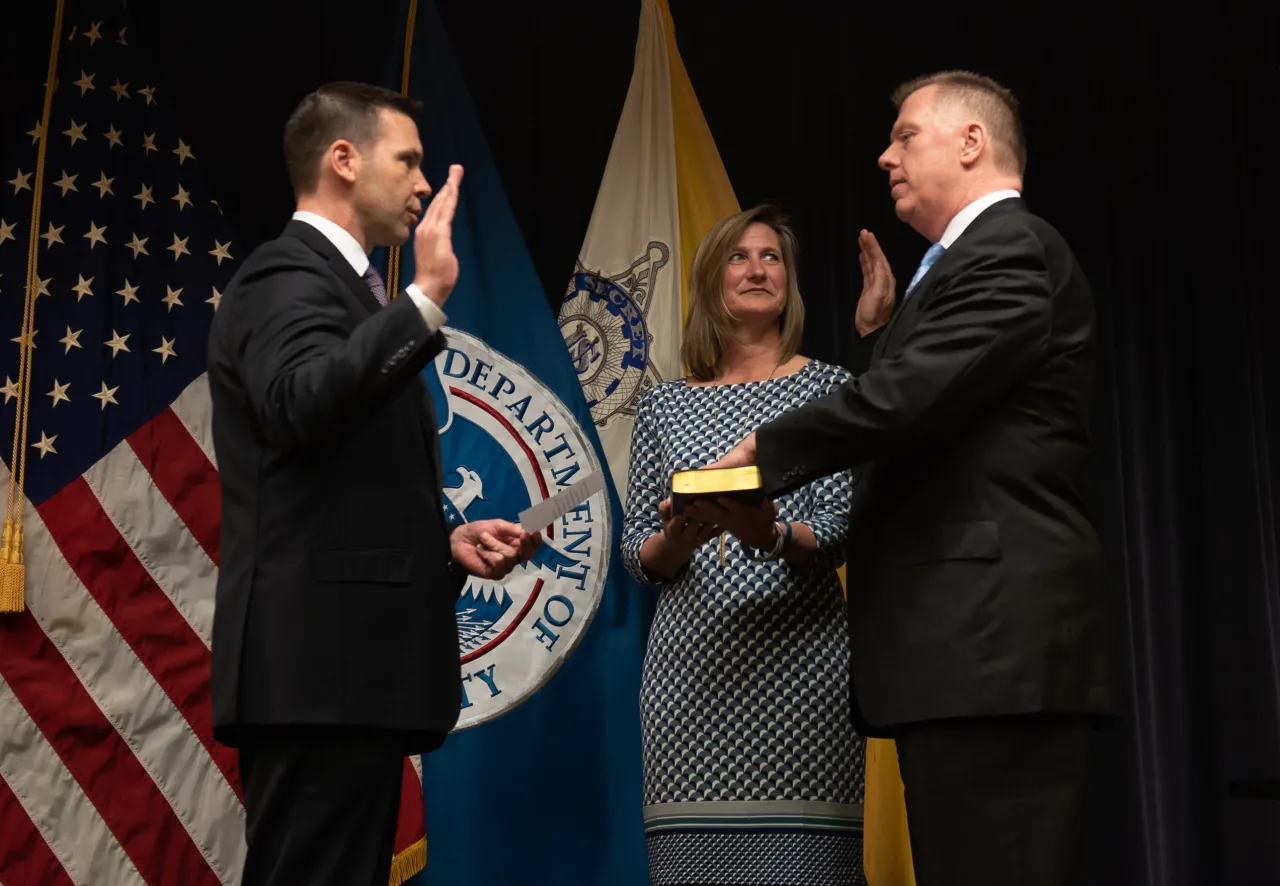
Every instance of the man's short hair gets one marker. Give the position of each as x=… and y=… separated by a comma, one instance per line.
x=340, y=110
x=992, y=103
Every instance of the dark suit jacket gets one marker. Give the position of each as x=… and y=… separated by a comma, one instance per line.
x=336, y=591
x=976, y=581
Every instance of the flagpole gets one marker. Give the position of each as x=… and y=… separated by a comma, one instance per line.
x=413, y=858
x=393, y=255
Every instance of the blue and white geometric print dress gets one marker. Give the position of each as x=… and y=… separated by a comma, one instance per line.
x=753, y=773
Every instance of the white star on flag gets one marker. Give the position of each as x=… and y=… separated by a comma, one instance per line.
x=67, y=182
x=21, y=181
x=71, y=340
x=52, y=236
x=59, y=393
x=179, y=247
x=29, y=339
x=82, y=288
x=107, y=395
x=117, y=343
x=95, y=235
x=45, y=445
x=130, y=292
x=75, y=132
x=165, y=350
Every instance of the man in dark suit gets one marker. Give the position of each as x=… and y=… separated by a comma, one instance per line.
x=335, y=645
x=977, y=603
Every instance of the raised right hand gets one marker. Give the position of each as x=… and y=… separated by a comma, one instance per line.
x=436, y=267
x=875, y=305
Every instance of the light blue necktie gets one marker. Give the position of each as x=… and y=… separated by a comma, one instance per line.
x=925, y=263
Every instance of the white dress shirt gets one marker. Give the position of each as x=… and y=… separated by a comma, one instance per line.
x=965, y=216
x=355, y=255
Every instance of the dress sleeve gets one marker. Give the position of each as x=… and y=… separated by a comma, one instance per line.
x=646, y=488
x=832, y=496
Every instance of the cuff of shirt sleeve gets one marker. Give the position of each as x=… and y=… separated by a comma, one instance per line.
x=431, y=313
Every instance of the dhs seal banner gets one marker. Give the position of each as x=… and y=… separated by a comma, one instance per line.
x=508, y=442
x=550, y=658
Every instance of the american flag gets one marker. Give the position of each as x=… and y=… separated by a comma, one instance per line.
x=109, y=774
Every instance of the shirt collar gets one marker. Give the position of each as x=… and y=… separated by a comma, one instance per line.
x=965, y=216
x=340, y=237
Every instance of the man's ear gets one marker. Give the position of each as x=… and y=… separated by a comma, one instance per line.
x=976, y=142
x=344, y=160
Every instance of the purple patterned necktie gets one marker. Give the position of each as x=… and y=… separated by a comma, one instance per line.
x=376, y=286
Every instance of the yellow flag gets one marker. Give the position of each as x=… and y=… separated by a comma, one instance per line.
x=886, y=846
x=702, y=183
x=664, y=186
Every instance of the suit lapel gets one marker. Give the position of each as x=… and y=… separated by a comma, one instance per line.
x=882, y=344
x=899, y=327
x=902, y=321
x=321, y=244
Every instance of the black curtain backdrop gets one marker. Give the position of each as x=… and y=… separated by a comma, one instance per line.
x=1152, y=134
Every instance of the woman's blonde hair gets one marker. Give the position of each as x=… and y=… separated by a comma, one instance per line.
x=709, y=326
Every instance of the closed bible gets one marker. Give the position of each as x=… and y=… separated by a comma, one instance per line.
x=740, y=484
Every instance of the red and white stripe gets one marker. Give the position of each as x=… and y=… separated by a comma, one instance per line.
x=109, y=773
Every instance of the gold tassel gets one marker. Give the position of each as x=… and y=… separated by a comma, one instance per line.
x=13, y=573
x=409, y=862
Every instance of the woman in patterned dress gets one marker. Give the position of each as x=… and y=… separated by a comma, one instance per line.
x=753, y=773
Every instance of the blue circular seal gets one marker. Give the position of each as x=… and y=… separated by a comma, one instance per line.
x=507, y=442
x=608, y=338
